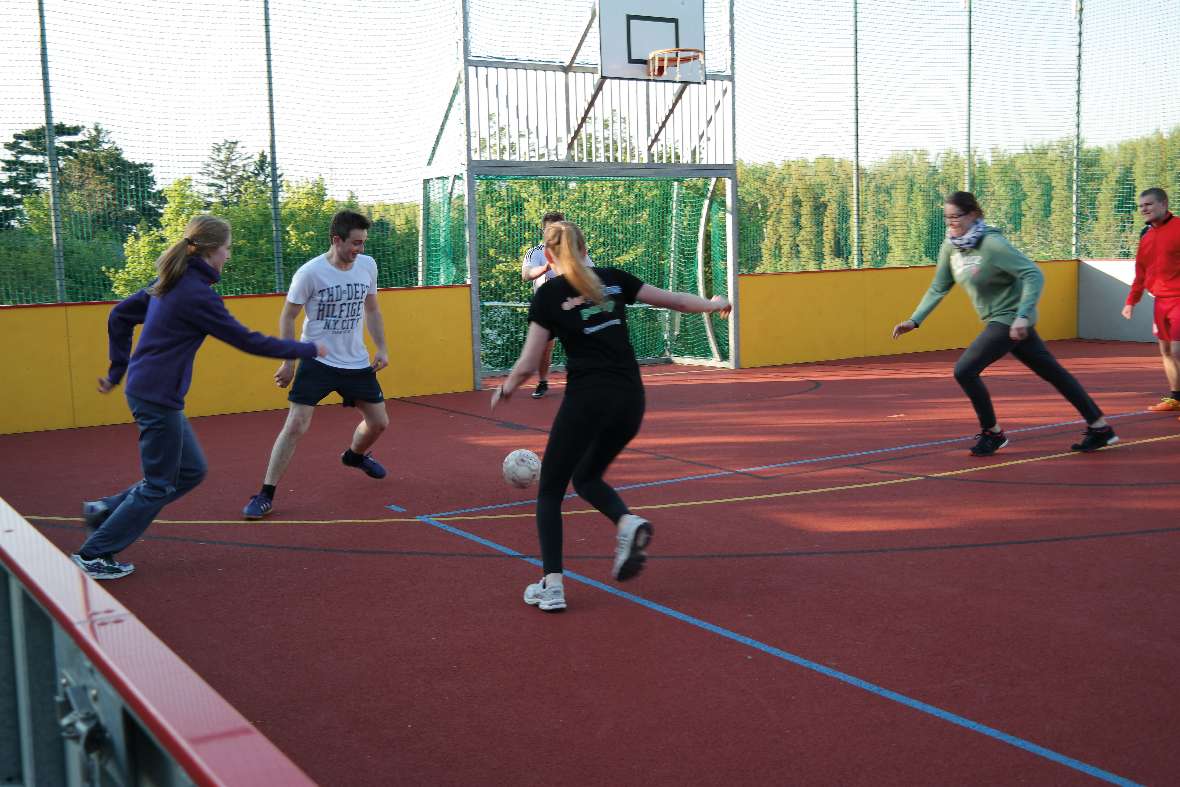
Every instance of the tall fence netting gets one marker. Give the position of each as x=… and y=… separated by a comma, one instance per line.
x=853, y=121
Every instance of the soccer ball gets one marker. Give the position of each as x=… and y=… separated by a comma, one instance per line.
x=521, y=468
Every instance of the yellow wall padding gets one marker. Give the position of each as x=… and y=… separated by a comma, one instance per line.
x=58, y=352
x=825, y=315
x=36, y=392
x=52, y=381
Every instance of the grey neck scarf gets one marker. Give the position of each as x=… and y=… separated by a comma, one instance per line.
x=969, y=239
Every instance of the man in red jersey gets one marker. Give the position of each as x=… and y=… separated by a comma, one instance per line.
x=1157, y=269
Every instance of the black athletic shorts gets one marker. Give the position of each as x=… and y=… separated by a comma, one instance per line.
x=315, y=380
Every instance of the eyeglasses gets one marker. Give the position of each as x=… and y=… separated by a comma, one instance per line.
x=952, y=216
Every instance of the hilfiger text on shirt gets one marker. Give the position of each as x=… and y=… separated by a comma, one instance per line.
x=341, y=306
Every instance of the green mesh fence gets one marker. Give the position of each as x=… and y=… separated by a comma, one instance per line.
x=444, y=242
x=113, y=230
x=646, y=227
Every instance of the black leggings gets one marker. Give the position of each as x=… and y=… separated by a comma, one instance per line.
x=590, y=430
x=992, y=345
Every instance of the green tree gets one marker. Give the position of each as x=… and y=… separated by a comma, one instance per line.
x=146, y=242
x=103, y=190
x=225, y=173
x=26, y=167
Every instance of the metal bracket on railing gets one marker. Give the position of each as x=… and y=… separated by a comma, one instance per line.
x=81, y=725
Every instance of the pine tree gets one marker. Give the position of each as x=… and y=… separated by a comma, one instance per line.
x=226, y=172
x=26, y=169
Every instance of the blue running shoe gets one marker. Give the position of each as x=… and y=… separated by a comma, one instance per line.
x=258, y=507
x=104, y=567
x=371, y=466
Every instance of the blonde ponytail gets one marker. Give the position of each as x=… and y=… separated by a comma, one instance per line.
x=204, y=233
x=565, y=242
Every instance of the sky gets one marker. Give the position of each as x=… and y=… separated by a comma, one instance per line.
x=360, y=85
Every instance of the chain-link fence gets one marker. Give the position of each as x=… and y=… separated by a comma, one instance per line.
x=856, y=119
x=853, y=121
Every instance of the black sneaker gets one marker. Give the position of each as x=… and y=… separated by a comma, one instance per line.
x=94, y=513
x=1093, y=439
x=105, y=567
x=368, y=464
x=987, y=443
x=541, y=389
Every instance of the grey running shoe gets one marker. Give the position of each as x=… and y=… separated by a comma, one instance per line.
x=105, y=567
x=548, y=599
x=634, y=536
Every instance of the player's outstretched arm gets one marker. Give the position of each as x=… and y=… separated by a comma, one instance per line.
x=683, y=301
x=526, y=365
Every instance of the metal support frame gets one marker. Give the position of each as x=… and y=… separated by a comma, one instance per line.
x=42, y=751
x=1076, y=245
x=471, y=217
x=442, y=126
x=857, y=252
x=710, y=334
x=732, y=224
x=709, y=122
x=667, y=116
x=569, y=143
x=59, y=256
x=967, y=176
x=276, y=216
x=473, y=168
x=585, y=32
x=423, y=219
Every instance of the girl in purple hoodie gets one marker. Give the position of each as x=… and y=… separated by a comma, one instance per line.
x=177, y=311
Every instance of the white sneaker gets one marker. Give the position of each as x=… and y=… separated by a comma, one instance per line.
x=634, y=536
x=549, y=599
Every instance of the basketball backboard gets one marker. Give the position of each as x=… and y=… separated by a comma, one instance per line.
x=630, y=30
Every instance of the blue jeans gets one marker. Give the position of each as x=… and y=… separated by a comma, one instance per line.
x=173, y=463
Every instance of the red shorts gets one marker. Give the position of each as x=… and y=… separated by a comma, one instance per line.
x=1167, y=319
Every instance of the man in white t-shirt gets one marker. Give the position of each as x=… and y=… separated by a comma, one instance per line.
x=338, y=292
x=538, y=268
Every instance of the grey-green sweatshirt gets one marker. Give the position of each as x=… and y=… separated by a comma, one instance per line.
x=1002, y=283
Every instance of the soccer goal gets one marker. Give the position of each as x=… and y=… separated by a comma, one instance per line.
x=619, y=115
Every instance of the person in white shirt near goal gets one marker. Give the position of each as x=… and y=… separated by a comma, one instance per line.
x=538, y=268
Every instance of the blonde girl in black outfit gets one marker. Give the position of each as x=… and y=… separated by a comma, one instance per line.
x=604, y=402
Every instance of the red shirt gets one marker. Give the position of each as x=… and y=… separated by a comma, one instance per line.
x=1157, y=262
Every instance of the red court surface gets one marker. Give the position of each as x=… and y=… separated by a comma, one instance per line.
x=837, y=593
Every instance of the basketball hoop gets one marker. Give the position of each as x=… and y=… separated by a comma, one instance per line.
x=659, y=61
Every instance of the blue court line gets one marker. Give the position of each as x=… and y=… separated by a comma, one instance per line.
x=392, y=507
x=779, y=653
x=778, y=465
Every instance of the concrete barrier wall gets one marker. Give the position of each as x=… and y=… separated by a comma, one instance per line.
x=1103, y=286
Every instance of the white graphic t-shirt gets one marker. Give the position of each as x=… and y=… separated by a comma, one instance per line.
x=535, y=258
x=334, y=302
